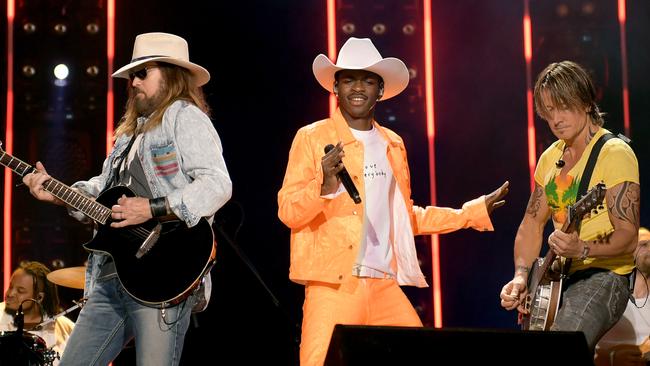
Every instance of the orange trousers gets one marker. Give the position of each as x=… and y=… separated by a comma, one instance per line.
x=359, y=301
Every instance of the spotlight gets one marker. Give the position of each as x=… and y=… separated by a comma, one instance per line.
x=92, y=71
x=60, y=28
x=29, y=27
x=588, y=8
x=348, y=28
x=408, y=29
x=413, y=73
x=379, y=28
x=562, y=10
x=57, y=263
x=92, y=28
x=29, y=70
x=91, y=105
x=61, y=73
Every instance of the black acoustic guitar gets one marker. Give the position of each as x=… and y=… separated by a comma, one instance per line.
x=159, y=263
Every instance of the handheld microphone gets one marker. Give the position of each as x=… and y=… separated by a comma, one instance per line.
x=344, y=176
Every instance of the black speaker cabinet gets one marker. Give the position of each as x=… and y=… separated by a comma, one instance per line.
x=381, y=345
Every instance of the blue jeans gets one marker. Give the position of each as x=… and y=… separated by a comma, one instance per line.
x=111, y=318
x=592, y=302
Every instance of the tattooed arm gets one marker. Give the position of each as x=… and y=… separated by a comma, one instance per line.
x=528, y=244
x=528, y=241
x=623, y=201
x=623, y=209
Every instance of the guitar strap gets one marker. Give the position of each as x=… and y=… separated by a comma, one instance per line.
x=589, y=168
x=586, y=177
x=117, y=163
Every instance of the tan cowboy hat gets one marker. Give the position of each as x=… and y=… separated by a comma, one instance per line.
x=361, y=54
x=163, y=47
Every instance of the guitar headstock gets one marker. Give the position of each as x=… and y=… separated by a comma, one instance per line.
x=592, y=200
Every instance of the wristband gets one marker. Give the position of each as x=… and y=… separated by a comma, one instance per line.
x=585, y=252
x=158, y=206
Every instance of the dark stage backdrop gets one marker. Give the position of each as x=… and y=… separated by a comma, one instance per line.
x=262, y=90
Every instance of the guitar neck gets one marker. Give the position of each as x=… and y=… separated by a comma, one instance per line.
x=71, y=197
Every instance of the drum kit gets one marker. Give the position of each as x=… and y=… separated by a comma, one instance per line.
x=22, y=348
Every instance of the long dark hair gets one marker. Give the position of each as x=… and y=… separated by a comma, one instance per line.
x=38, y=271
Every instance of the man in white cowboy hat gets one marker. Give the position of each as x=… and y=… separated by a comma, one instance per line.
x=169, y=154
x=353, y=257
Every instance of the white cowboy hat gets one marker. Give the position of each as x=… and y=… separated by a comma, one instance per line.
x=361, y=54
x=163, y=47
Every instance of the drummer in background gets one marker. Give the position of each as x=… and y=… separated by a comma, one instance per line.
x=29, y=281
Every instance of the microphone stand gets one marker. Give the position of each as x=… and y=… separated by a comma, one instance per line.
x=218, y=225
x=19, y=318
x=78, y=304
x=24, y=347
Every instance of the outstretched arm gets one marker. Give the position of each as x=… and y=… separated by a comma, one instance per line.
x=495, y=199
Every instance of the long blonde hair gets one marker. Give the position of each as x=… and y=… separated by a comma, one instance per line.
x=176, y=85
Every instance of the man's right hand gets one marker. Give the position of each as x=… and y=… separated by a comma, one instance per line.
x=331, y=164
x=513, y=294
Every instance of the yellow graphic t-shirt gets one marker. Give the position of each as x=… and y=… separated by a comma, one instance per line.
x=616, y=164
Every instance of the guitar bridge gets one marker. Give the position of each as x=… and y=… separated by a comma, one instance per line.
x=149, y=242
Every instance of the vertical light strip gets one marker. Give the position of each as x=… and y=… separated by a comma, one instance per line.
x=331, y=44
x=528, y=55
x=431, y=137
x=622, y=20
x=9, y=148
x=110, y=56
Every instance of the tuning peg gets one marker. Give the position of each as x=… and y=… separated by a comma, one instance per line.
x=601, y=207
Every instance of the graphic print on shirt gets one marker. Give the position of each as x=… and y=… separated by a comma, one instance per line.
x=372, y=171
x=164, y=160
x=560, y=193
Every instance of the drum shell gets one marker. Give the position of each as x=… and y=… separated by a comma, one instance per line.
x=24, y=349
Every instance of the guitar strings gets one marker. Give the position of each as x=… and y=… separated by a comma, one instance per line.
x=139, y=231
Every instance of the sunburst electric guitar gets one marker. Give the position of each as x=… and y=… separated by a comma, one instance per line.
x=159, y=263
x=545, y=279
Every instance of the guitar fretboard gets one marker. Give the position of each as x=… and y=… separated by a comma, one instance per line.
x=88, y=206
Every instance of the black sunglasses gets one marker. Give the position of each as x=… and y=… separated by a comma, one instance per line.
x=140, y=74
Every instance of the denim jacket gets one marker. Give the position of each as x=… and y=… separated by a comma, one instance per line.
x=182, y=160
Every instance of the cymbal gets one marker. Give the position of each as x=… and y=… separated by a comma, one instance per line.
x=74, y=277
